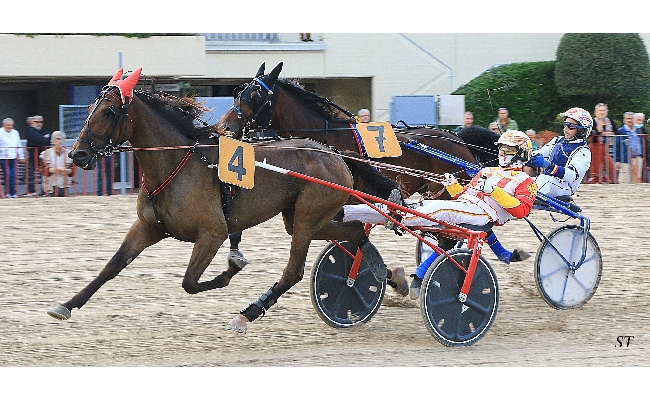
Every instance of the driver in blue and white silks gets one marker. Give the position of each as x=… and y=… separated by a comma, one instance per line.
x=564, y=162
x=565, y=159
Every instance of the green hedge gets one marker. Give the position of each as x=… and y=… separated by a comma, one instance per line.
x=527, y=90
x=529, y=93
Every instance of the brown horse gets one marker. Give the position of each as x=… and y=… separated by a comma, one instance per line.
x=181, y=197
x=281, y=106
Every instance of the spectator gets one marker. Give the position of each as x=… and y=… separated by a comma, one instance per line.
x=639, y=120
x=494, y=127
x=59, y=167
x=11, y=151
x=469, y=121
x=364, y=115
x=505, y=122
x=533, y=138
x=602, y=164
x=105, y=176
x=38, y=139
x=628, y=151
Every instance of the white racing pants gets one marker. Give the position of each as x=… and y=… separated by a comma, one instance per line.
x=450, y=211
x=552, y=186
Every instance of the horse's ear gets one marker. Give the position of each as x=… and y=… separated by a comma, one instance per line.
x=126, y=86
x=260, y=72
x=273, y=76
x=116, y=77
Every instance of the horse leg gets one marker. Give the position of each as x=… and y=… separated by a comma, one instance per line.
x=204, y=250
x=236, y=260
x=292, y=274
x=140, y=236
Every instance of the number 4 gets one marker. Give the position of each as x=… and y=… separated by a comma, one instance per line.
x=236, y=163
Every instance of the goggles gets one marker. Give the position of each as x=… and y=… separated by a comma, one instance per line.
x=571, y=125
x=507, y=151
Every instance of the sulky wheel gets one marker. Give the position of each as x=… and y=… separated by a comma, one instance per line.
x=561, y=287
x=340, y=305
x=450, y=321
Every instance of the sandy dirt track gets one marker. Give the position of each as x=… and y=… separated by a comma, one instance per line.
x=52, y=247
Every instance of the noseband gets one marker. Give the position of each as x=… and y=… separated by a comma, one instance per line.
x=266, y=106
x=120, y=113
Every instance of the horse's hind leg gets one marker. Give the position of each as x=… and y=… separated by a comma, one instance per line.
x=140, y=236
x=291, y=275
x=205, y=248
x=236, y=259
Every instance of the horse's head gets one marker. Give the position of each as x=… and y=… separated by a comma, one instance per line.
x=253, y=104
x=107, y=126
x=482, y=143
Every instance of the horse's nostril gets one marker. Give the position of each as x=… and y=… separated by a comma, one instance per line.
x=77, y=154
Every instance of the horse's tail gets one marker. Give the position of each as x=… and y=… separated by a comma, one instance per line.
x=367, y=178
x=481, y=142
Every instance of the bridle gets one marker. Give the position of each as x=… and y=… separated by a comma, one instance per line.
x=264, y=109
x=111, y=145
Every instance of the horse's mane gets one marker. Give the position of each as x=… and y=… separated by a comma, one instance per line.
x=181, y=113
x=481, y=143
x=324, y=107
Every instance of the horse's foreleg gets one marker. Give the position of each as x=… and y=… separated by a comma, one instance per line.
x=205, y=248
x=139, y=237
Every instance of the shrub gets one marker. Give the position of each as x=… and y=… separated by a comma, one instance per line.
x=527, y=90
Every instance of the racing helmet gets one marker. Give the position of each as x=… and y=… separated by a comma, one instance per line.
x=523, y=144
x=583, y=118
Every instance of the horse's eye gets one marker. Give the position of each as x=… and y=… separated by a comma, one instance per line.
x=110, y=111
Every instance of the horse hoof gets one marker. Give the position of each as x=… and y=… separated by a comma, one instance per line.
x=374, y=261
x=59, y=312
x=238, y=324
x=237, y=261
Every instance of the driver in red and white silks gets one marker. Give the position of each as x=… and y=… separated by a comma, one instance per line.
x=495, y=194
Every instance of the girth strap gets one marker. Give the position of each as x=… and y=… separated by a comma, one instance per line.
x=169, y=178
x=166, y=182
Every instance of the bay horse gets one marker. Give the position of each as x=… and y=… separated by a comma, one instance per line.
x=181, y=197
x=280, y=106
x=286, y=108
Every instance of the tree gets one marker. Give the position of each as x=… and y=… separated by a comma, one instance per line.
x=602, y=66
x=527, y=90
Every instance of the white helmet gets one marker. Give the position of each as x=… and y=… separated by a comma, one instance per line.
x=524, y=147
x=583, y=118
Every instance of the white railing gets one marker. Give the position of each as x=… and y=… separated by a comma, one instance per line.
x=242, y=37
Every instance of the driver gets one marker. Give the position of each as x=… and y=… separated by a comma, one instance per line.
x=494, y=195
x=565, y=159
x=564, y=162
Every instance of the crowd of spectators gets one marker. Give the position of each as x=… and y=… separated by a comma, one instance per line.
x=42, y=167
x=618, y=154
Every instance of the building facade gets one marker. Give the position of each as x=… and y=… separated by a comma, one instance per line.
x=355, y=70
